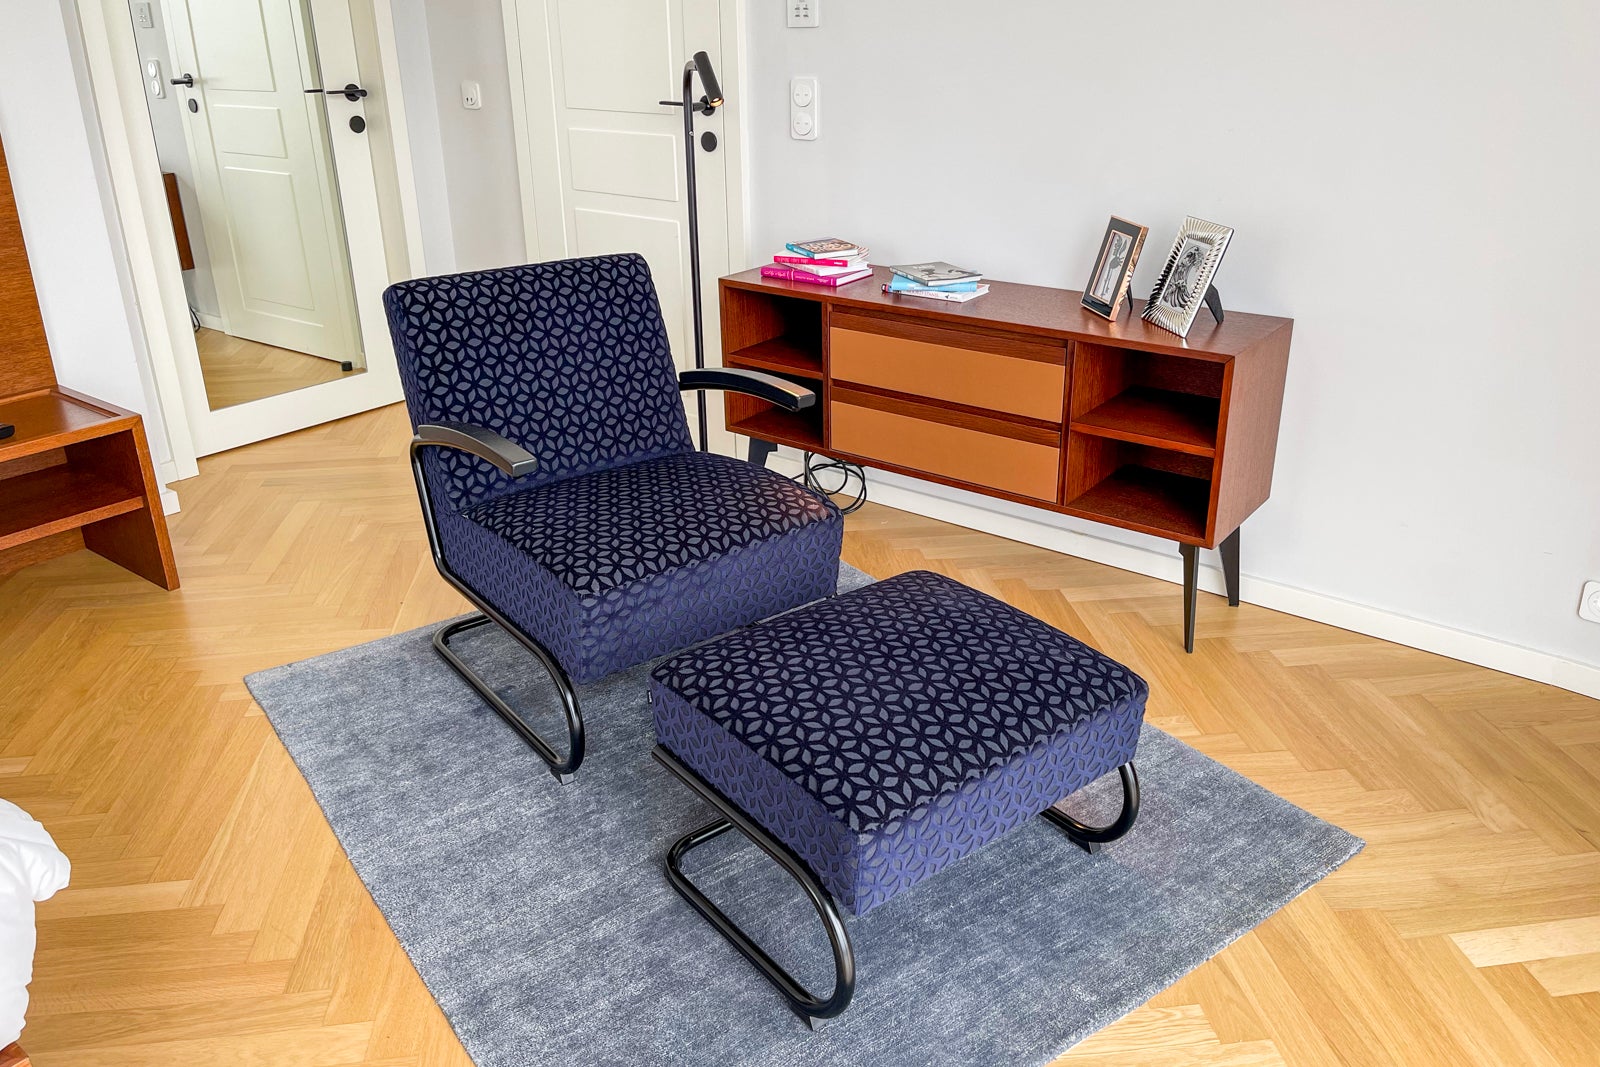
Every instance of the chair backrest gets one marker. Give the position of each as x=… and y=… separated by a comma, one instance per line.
x=568, y=359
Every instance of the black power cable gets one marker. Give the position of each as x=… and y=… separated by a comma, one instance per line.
x=832, y=477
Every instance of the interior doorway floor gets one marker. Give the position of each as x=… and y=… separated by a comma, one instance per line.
x=237, y=371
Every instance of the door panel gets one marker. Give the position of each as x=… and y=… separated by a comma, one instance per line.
x=625, y=163
x=625, y=50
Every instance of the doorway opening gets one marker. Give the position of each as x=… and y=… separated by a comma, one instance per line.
x=241, y=135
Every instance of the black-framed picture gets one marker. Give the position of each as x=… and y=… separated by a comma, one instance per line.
x=1181, y=289
x=1112, y=276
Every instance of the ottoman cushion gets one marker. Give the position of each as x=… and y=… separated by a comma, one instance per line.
x=886, y=733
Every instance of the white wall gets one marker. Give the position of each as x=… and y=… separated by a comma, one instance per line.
x=73, y=246
x=465, y=161
x=1411, y=182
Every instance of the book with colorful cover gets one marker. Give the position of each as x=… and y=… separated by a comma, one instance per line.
x=936, y=273
x=939, y=294
x=827, y=248
x=817, y=267
x=899, y=283
x=791, y=274
x=853, y=261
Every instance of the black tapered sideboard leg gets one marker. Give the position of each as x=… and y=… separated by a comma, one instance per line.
x=1229, y=550
x=760, y=450
x=1191, y=578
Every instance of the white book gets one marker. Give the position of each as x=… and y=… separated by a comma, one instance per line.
x=935, y=294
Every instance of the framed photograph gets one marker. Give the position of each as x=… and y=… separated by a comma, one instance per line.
x=1181, y=290
x=1113, y=267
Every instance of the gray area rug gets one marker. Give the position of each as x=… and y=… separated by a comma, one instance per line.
x=539, y=917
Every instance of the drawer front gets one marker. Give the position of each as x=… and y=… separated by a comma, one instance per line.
x=984, y=459
x=998, y=374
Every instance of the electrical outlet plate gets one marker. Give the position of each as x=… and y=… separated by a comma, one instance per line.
x=1589, y=606
x=143, y=17
x=804, y=107
x=471, y=96
x=803, y=14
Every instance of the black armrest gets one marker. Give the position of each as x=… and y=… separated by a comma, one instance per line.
x=509, y=456
x=768, y=387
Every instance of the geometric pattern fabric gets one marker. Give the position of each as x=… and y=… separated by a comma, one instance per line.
x=624, y=543
x=886, y=733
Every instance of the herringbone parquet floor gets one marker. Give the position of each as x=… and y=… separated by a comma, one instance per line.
x=214, y=920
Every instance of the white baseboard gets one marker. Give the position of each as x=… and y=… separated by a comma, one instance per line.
x=969, y=510
x=210, y=321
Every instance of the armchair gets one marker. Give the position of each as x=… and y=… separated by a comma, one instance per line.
x=560, y=489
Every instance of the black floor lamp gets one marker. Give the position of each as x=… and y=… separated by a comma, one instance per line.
x=700, y=64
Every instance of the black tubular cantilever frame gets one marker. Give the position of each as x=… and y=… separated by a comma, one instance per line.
x=807, y=1005
x=1091, y=838
x=517, y=462
x=810, y=1007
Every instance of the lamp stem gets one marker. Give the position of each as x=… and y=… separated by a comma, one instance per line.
x=694, y=242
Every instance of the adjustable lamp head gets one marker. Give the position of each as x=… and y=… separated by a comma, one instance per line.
x=701, y=64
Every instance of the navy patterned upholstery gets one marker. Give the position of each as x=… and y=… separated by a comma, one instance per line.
x=625, y=544
x=886, y=733
x=570, y=360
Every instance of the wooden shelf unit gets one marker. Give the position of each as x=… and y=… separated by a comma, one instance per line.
x=76, y=471
x=1025, y=395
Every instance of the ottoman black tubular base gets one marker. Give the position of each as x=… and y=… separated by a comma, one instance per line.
x=810, y=1007
x=868, y=741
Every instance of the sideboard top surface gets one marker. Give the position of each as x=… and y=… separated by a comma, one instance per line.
x=1038, y=310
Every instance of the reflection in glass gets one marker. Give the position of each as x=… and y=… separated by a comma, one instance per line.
x=252, y=192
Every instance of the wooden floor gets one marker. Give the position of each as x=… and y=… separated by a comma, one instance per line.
x=237, y=371
x=214, y=920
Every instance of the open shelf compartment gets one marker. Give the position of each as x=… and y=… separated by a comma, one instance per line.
x=770, y=332
x=1156, y=490
x=1163, y=401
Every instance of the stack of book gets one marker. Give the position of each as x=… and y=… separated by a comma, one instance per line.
x=825, y=261
x=936, y=281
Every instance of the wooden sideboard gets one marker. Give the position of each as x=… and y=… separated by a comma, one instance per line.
x=1023, y=394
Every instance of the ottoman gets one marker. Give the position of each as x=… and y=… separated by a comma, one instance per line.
x=868, y=741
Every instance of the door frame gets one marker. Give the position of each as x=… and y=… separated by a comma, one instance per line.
x=117, y=84
x=543, y=225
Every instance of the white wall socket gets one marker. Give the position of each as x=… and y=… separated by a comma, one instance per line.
x=804, y=108
x=471, y=96
x=1589, y=606
x=143, y=17
x=804, y=14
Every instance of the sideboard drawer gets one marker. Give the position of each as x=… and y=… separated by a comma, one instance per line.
x=1014, y=376
x=1027, y=468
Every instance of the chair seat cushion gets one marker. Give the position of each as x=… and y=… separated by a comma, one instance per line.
x=613, y=568
x=887, y=732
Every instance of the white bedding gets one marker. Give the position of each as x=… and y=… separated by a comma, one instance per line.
x=31, y=869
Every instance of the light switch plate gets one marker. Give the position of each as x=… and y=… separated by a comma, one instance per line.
x=803, y=14
x=804, y=107
x=472, y=96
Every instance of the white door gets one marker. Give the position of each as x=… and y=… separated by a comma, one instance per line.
x=602, y=158
x=263, y=174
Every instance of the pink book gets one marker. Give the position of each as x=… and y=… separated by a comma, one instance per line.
x=789, y=274
x=813, y=262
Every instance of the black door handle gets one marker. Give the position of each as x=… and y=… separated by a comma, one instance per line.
x=187, y=80
x=351, y=92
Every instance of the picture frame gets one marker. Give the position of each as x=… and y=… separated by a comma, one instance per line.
x=1111, y=280
x=1181, y=290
